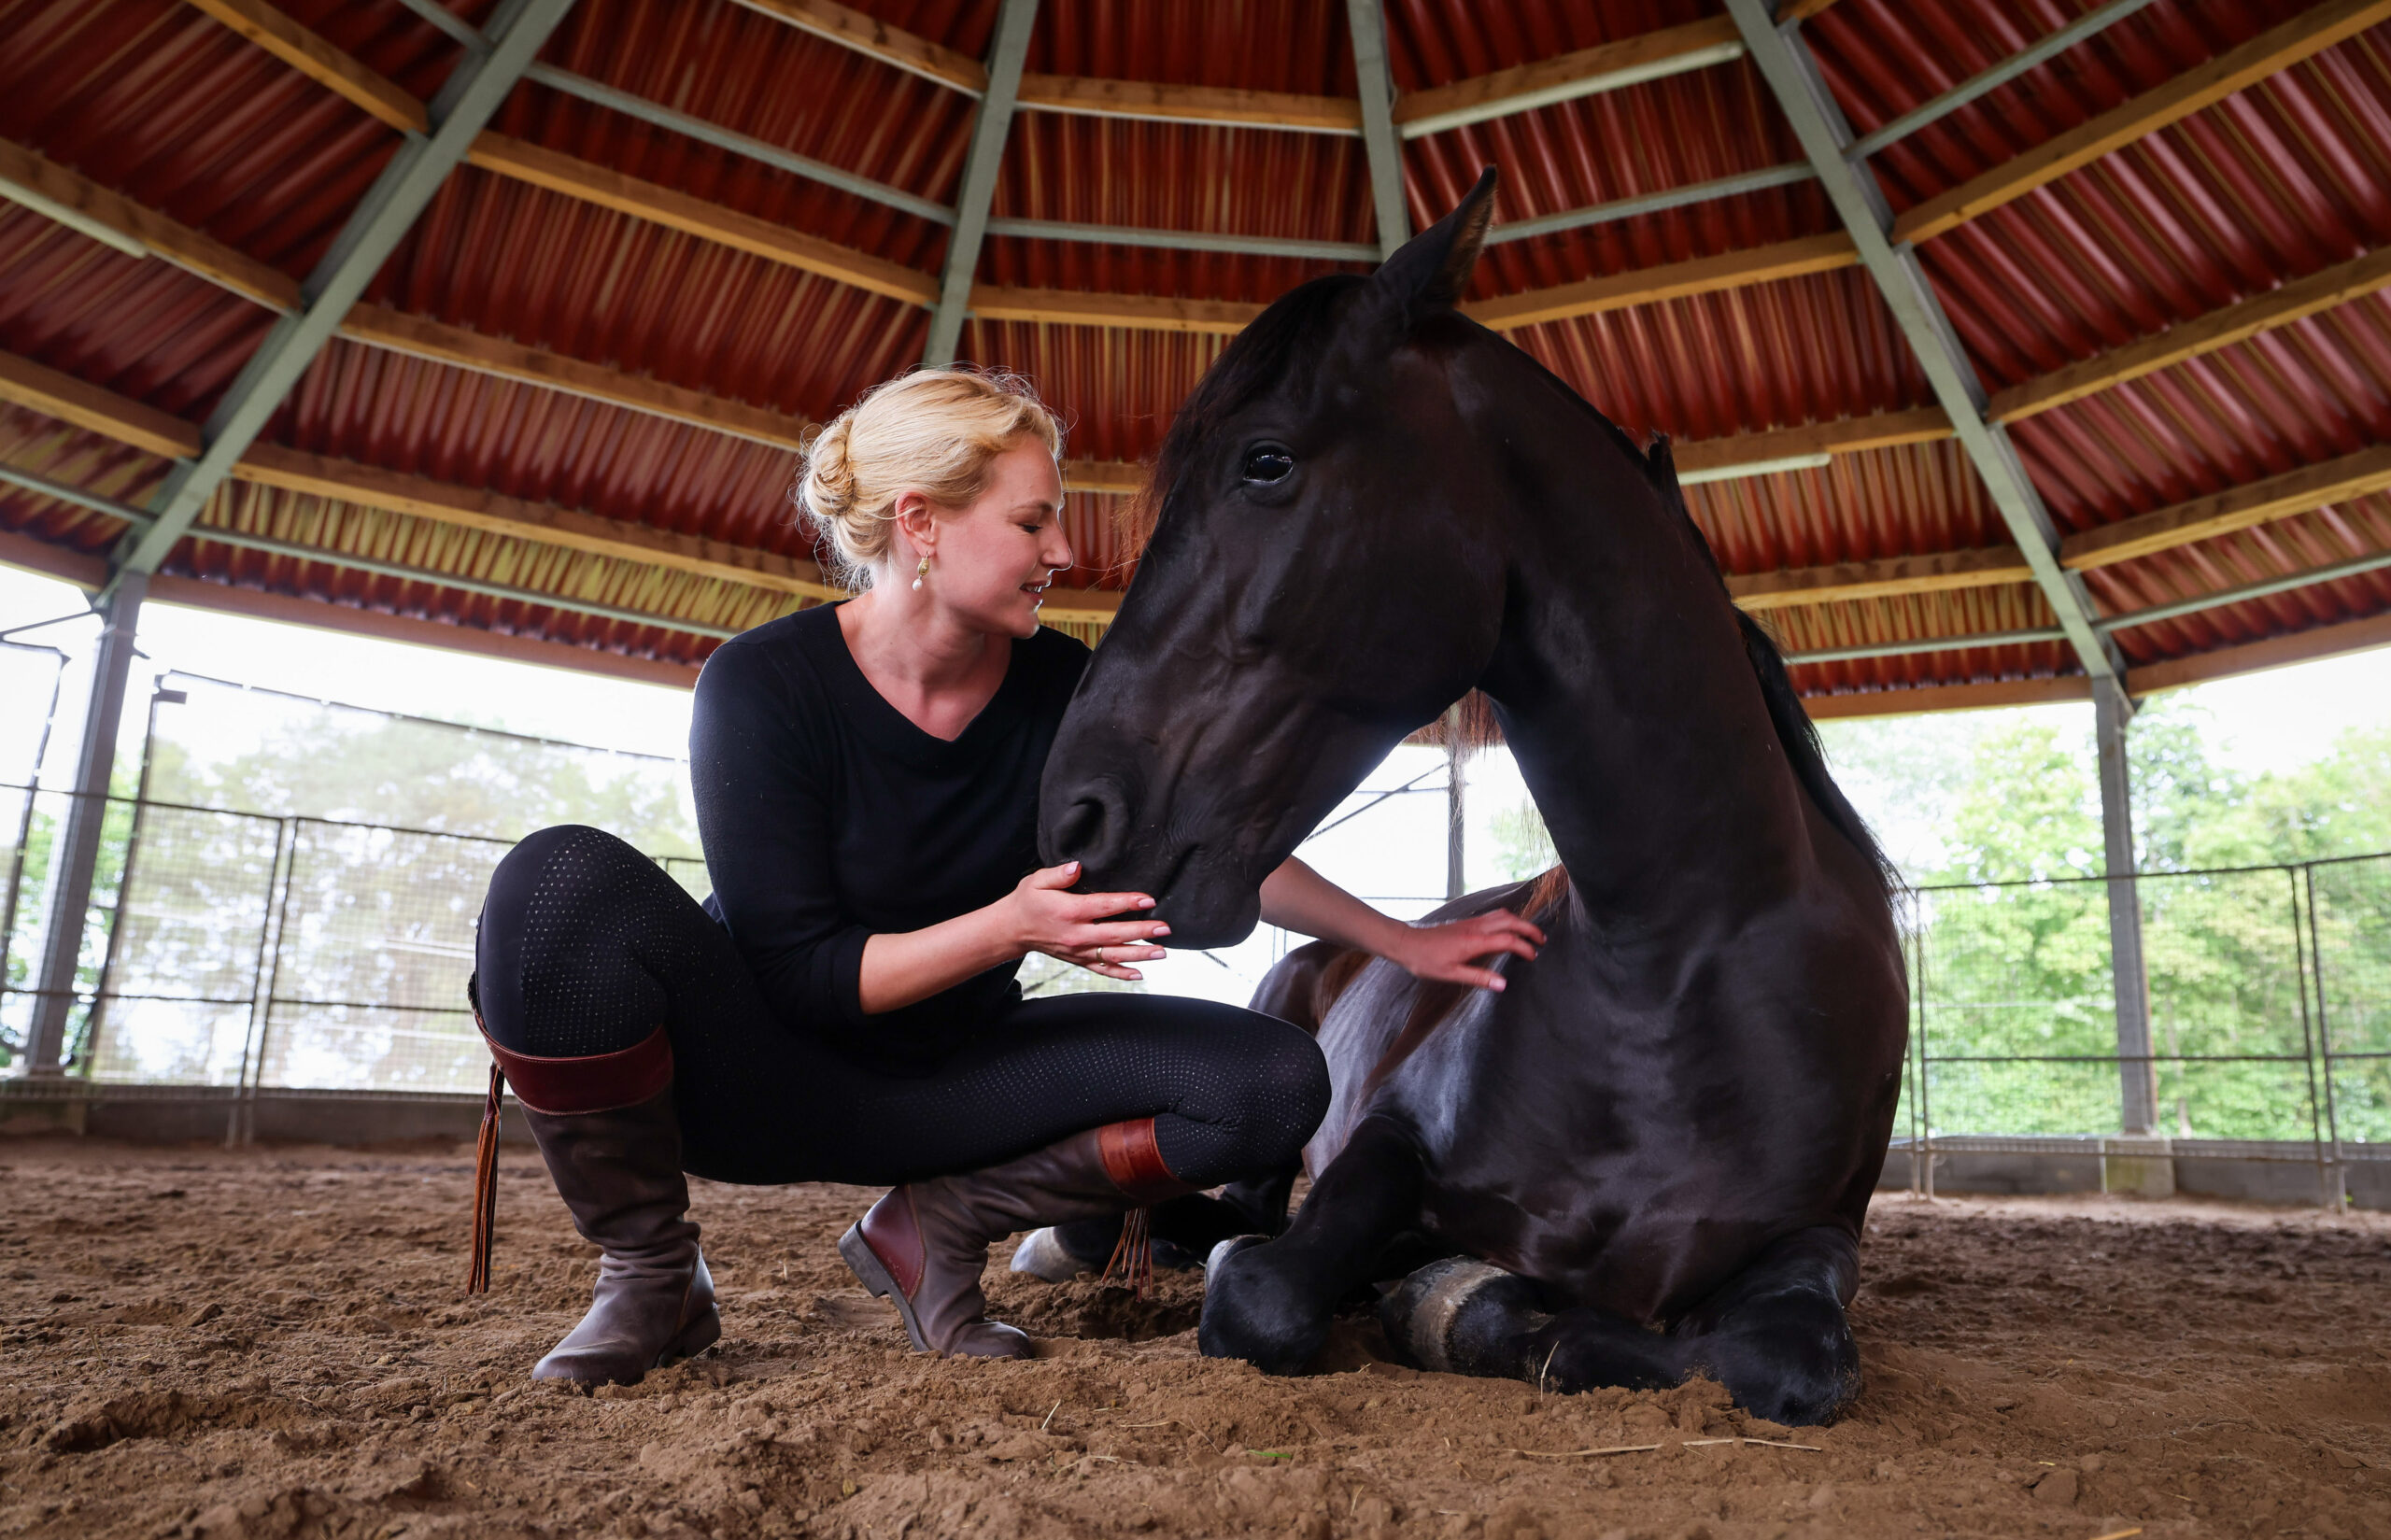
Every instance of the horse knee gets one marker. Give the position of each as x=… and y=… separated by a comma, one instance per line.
x=1259, y=1309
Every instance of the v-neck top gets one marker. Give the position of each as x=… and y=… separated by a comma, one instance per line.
x=828, y=816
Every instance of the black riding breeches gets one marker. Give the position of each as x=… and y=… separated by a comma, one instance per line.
x=586, y=947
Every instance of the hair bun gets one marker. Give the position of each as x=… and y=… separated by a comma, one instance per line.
x=934, y=432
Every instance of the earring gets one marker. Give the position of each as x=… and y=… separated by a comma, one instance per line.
x=920, y=572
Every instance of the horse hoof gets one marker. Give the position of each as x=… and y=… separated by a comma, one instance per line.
x=1228, y=1248
x=1042, y=1254
x=1433, y=1317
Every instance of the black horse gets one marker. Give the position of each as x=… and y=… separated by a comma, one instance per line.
x=1674, y=1118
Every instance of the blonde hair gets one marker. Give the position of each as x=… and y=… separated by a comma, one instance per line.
x=935, y=431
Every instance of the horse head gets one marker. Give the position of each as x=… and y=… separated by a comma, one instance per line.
x=1325, y=573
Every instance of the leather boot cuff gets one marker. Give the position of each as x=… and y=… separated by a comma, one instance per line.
x=1133, y=1160
x=597, y=1082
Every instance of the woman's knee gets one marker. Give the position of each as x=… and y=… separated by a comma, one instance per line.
x=560, y=924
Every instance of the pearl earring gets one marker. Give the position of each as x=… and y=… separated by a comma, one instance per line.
x=920, y=572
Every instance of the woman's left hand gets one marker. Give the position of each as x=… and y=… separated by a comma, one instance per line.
x=1452, y=950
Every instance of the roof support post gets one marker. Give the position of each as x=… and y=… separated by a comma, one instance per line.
x=1376, y=82
x=1785, y=62
x=981, y=165
x=77, y=852
x=2138, y=1081
x=1456, y=824
x=473, y=91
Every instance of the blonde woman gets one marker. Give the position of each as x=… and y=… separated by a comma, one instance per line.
x=843, y=1009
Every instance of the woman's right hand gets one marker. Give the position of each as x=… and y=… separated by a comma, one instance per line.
x=1046, y=916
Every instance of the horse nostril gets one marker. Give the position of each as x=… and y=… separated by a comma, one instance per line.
x=1091, y=829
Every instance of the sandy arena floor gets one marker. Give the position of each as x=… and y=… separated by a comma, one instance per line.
x=273, y=1344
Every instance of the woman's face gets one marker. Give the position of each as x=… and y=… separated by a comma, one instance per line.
x=994, y=557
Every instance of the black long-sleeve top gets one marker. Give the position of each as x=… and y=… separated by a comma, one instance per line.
x=826, y=817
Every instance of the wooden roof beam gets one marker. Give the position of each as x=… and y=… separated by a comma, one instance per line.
x=30, y=385
x=868, y=36
x=2241, y=507
x=1586, y=71
x=1668, y=281
x=1936, y=573
x=2277, y=48
x=306, y=52
x=589, y=182
x=2295, y=300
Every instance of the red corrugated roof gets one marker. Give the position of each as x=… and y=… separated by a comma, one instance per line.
x=155, y=101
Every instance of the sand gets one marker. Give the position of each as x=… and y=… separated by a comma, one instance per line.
x=273, y=1343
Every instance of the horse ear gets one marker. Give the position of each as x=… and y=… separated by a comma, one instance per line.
x=1432, y=270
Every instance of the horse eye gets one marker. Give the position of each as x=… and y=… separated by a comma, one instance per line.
x=1268, y=465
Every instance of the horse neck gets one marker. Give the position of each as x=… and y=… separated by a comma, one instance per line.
x=1625, y=692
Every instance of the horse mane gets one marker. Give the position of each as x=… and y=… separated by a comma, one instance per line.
x=1281, y=339
x=1794, y=728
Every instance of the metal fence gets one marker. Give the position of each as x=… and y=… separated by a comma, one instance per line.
x=2269, y=992
x=247, y=951
x=252, y=950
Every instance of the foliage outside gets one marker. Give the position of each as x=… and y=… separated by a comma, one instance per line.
x=2022, y=972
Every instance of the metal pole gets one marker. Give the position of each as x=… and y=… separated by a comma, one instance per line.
x=245, y=1104
x=2334, y=1180
x=1785, y=62
x=1456, y=878
x=2138, y=1087
x=78, y=846
x=260, y=991
x=1376, y=83
x=95, y=1020
x=981, y=165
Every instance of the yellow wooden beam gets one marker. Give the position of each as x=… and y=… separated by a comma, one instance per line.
x=2274, y=652
x=331, y=67
x=1947, y=697
x=1567, y=69
x=866, y=34
x=439, y=503
x=1227, y=105
x=25, y=383
x=292, y=610
x=379, y=327
x=1933, y=572
x=1668, y=281
x=2293, y=302
x=589, y=182
x=178, y=243
x=1838, y=436
x=1137, y=312
x=2275, y=50
x=2298, y=491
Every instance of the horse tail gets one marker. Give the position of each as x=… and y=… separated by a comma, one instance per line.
x=1794, y=729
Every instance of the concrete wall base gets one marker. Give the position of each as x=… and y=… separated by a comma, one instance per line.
x=2245, y=1170
x=150, y=1114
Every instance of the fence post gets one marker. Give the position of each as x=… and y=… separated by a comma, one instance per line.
x=77, y=851
x=2138, y=1088
x=2333, y=1181
x=1456, y=878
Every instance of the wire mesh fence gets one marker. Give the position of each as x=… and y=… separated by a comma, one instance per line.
x=2270, y=1010
x=288, y=901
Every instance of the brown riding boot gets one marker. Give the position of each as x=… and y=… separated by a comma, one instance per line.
x=924, y=1245
x=619, y=1169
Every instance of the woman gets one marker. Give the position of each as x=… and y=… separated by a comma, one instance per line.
x=843, y=1009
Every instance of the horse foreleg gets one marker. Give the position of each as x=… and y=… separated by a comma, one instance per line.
x=1269, y=1302
x=1775, y=1335
x=1463, y=1316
